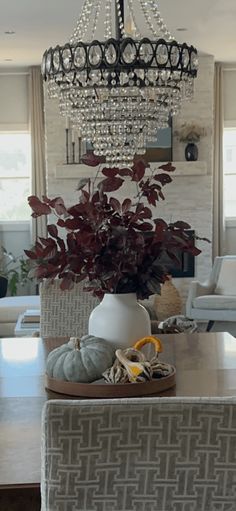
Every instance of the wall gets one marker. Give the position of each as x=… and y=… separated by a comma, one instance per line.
x=189, y=197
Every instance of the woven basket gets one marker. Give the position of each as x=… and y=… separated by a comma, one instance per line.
x=169, y=302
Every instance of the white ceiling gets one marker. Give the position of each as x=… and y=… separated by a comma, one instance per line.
x=39, y=24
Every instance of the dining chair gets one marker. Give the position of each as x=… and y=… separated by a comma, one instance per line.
x=143, y=454
x=64, y=313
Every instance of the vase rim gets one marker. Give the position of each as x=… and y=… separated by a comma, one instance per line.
x=120, y=294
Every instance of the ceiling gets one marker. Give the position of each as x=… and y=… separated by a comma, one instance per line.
x=39, y=24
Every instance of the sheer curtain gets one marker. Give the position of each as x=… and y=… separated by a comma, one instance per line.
x=36, y=112
x=218, y=242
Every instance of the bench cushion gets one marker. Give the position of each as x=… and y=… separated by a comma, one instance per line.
x=216, y=302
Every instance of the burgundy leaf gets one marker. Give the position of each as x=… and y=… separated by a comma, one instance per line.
x=163, y=178
x=161, y=195
x=167, y=167
x=125, y=172
x=61, y=244
x=91, y=160
x=47, y=200
x=73, y=223
x=30, y=254
x=180, y=225
x=115, y=204
x=146, y=213
x=111, y=184
x=46, y=242
x=145, y=226
x=138, y=168
x=52, y=230
x=160, y=224
x=126, y=204
x=61, y=222
x=39, y=208
x=66, y=284
x=143, y=212
x=152, y=197
x=110, y=172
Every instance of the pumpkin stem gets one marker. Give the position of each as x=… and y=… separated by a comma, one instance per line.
x=76, y=342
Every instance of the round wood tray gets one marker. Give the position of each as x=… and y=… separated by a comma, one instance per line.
x=102, y=389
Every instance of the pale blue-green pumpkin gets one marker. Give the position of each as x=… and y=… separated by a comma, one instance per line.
x=80, y=360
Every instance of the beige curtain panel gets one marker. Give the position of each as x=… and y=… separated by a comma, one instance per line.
x=36, y=112
x=218, y=243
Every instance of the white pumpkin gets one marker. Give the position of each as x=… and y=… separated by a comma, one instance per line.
x=80, y=360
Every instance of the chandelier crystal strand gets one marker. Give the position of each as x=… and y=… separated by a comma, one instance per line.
x=137, y=33
x=108, y=20
x=83, y=22
x=97, y=8
x=146, y=11
x=154, y=7
x=121, y=90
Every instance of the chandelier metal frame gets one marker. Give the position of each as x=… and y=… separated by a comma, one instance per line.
x=53, y=64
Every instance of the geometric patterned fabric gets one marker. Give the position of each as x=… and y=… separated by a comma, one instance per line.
x=140, y=454
x=64, y=313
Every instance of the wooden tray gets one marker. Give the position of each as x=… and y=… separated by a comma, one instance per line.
x=102, y=389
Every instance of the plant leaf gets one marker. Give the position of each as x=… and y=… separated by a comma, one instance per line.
x=52, y=230
x=110, y=184
x=126, y=204
x=39, y=208
x=115, y=204
x=91, y=160
x=163, y=178
x=167, y=167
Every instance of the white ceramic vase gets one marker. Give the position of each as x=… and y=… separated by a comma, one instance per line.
x=120, y=319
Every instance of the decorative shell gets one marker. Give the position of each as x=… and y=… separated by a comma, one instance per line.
x=131, y=364
x=80, y=360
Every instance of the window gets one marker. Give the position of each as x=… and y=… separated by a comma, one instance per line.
x=230, y=172
x=15, y=171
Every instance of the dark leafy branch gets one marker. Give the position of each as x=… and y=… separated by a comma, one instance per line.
x=113, y=246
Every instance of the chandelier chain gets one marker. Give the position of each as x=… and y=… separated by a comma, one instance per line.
x=120, y=20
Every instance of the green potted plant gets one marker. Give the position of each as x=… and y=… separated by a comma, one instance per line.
x=13, y=271
x=115, y=247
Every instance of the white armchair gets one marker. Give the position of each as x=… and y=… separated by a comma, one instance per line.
x=214, y=300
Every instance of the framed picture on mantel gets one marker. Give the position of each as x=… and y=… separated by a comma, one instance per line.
x=161, y=148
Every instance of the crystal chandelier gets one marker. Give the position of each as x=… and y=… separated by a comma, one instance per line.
x=119, y=91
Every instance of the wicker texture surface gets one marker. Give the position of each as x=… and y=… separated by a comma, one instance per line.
x=64, y=313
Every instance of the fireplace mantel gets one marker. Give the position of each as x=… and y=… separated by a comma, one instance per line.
x=183, y=168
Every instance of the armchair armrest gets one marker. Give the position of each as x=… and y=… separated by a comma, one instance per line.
x=197, y=289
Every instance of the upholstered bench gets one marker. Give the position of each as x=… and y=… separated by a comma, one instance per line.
x=11, y=307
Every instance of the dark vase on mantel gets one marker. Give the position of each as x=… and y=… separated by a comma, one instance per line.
x=191, y=152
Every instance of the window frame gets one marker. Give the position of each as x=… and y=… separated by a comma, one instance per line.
x=10, y=225
x=230, y=221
